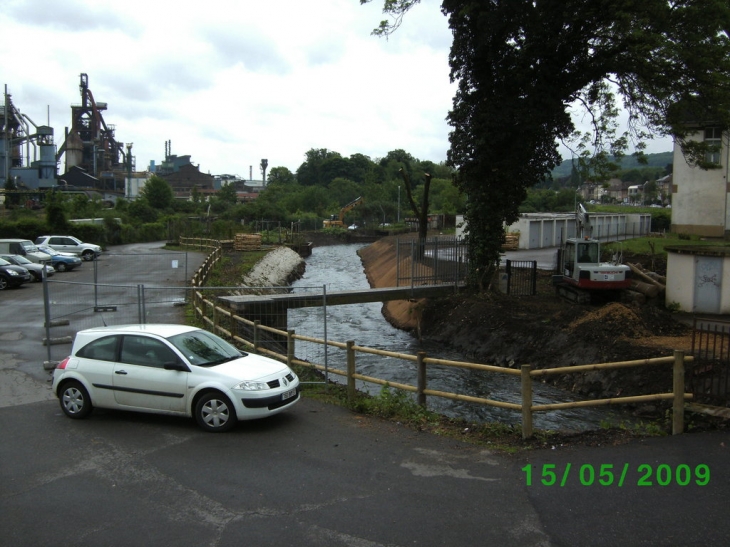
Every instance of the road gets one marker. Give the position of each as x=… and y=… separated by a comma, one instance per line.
x=322, y=475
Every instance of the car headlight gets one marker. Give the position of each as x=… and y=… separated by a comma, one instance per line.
x=12, y=272
x=251, y=386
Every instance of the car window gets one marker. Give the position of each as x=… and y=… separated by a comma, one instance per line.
x=204, y=349
x=102, y=349
x=56, y=241
x=141, y=350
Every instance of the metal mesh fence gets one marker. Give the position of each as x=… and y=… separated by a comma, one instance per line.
x=252, y=314
x=432, y=261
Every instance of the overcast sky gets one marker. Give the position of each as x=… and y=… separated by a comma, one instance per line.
x=230, y=82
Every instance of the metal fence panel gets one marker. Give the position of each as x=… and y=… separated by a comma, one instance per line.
x=521, y=277
x=709, y=375
x=433, y=261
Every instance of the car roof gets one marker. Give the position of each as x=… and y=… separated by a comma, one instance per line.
x=159, y=329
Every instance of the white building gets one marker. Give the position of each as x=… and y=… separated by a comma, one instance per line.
x=700, y=197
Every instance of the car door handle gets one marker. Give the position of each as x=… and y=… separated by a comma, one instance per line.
x=120, y=372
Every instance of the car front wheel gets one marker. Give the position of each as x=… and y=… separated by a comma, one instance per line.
x=87, y=255
x=75, y=400
x=215, y=413
x=3, y=283
x=60, y=267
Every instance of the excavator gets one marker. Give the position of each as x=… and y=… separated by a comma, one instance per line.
x=582, y=276
x=339, y=220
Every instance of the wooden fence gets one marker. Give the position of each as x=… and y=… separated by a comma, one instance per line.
x=223, y=321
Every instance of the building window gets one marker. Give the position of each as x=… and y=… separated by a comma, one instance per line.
x=713, y=137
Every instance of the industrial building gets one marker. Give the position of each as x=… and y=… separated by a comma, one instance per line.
x=27, y=150
x=92, y=157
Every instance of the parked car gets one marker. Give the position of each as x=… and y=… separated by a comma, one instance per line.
x=70, y=244
x=24, y=247
x=171, y=369
x=36, y=270
x=12, y=276
x=61, y=262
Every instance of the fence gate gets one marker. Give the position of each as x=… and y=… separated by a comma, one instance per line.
x=521, y=277
x=709, y=376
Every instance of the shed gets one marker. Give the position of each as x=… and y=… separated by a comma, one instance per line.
x=698, y=278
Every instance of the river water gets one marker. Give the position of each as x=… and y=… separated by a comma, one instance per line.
x=338, y=268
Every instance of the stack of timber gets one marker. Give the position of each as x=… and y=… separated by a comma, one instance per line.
x=511, y=241
x=247, y=242
x=647, y=283
x=227, y=245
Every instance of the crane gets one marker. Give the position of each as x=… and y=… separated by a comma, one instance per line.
x=339, y=220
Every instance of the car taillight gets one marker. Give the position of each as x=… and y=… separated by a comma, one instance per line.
x=62, y=364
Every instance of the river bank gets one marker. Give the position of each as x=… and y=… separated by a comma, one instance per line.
x=541, y=330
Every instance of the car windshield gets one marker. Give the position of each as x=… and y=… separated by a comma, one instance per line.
x=29, y=247
x=4, y=262
x=204, y=349
x=49, y=251
x=20, y=260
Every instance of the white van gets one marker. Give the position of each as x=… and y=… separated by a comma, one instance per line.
x=24, y=247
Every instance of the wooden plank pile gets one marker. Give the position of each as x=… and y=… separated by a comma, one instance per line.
x=511, y=241
x=247, y=242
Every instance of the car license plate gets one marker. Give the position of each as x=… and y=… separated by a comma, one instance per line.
x=288, y=394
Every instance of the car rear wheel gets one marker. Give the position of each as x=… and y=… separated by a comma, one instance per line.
x=60, y=267
x=215, y=413
x=87, y=255
x=75, y=400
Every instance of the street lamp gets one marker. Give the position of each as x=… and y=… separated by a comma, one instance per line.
x=399, y=204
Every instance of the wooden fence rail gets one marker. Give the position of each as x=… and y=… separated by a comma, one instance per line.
x=206, y=308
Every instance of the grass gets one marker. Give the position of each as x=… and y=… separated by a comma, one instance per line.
x=657, y=245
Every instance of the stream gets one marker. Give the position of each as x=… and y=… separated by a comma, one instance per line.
x=338, y=268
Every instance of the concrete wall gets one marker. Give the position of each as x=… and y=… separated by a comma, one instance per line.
x=685, y=277
x=700, y=198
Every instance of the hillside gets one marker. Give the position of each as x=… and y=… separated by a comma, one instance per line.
x=627, y=162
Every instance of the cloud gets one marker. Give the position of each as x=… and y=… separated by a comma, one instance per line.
x=69, y=15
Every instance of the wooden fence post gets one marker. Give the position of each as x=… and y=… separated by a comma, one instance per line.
x=678, y=388
x=526, y=401
x=421, y=396
x=290, y=342
x=256, y=334
x=350, y=371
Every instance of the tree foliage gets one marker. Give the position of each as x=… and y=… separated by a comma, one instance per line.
x=157, y=192
x=522, y=65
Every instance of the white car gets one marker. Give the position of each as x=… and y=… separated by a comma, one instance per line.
x=70, y=244
x=171, y=369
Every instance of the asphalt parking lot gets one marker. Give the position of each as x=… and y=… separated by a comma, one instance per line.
x=322, y=475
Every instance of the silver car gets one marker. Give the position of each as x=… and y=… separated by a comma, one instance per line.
x=36, y=270
x=70, y=244
x=171, y=369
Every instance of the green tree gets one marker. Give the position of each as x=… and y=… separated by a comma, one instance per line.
x=227, y=194
x=157, y=192
x=521, y=65
x=281, y=175
x=56, y=213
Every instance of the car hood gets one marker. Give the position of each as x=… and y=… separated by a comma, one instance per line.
x=251, y=367
x=18, y=269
